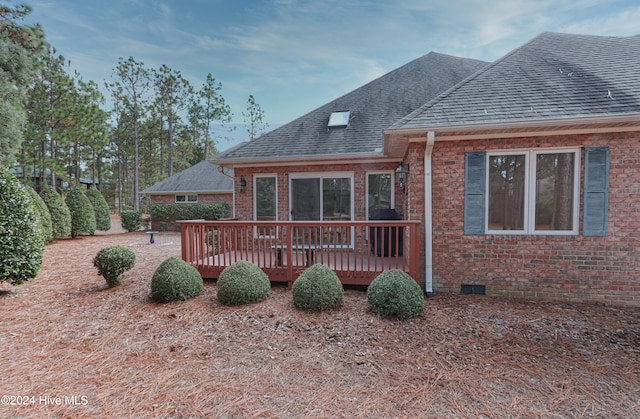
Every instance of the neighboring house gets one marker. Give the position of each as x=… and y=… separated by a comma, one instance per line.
x=31, y=175
x=200, y=183
x=532, y=166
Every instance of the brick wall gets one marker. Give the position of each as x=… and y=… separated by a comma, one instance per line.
x=601, y=269
x=244, y=200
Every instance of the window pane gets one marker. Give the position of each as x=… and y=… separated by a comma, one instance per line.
x=506, y=192
x=266, y=198
x=379, y=194
x=181, y=198
x=554, y=191
x=336, y=197
x=192, y=198
x=305, y=199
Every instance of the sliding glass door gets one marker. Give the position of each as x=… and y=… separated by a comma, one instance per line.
x=322, y=197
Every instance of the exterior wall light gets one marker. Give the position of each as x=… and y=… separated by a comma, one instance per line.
x=242, y=184
x=402, y=176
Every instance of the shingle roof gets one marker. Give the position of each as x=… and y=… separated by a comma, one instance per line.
x=202, y=177
x=552, y=76
x=374, y=106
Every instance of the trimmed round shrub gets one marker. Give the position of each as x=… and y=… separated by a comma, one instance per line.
x=242, y=283
x=83, y=218
x=130, y=220
x=60, y=215
x=21, y=236
x=112, y=262
x=317, y=288
x=100, y=208
x=43, y=211
x=394, y=293
x=175, y=280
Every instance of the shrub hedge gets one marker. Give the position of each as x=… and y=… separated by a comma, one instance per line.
x=394, y=293
x=60, y=215
x=242, y=283
x=131, y=220
x=43, y=211
x=21, y=236
x=175, y=280
x=166, y=213
x=317, y=288
x=83, y=218
x=100, y=208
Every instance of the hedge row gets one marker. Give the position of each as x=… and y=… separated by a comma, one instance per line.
x=172, y=212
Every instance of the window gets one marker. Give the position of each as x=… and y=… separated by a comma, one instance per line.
x=379, y=191
x=181, y=199
x=265, y=198
x=339, y=119
x=326, y=197
x=527, y=191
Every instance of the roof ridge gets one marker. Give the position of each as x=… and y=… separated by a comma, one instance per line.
x=463, y=82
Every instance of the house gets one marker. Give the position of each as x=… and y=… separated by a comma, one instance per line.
x=201, y=183
x=325, y=169
x=527, y=174
x=521, y=177
x=339, y=143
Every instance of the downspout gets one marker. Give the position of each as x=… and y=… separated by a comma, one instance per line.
x=233, y=190
x=428, y=214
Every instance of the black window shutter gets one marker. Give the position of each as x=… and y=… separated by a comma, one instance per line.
x=596, y=191
x=474, y=192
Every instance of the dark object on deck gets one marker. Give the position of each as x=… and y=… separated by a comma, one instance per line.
x=473, y=289
x=385, y=240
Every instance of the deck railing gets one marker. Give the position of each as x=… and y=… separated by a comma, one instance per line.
x=356, y=250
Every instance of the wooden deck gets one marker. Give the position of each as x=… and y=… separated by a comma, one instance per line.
x=356, y=251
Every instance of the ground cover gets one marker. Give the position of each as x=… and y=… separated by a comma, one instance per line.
x=72, y=347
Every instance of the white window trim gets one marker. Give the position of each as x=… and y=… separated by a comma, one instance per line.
x=255, y=191
x=186, y=198
x=321, y=176
x=255, y=205
x=393, y=192
x=530, y=191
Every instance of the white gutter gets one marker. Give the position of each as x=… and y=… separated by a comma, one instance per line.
x=428, y=214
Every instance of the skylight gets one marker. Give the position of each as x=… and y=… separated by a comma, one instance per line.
x=339, y=119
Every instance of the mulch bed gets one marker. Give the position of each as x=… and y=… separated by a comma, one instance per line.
x=71, y=347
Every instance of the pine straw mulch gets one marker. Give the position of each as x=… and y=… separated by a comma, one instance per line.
x=67, y=335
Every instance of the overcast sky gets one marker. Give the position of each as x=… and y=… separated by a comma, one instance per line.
x=295, y=55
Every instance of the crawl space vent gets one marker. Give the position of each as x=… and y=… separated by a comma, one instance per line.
x=472, y=289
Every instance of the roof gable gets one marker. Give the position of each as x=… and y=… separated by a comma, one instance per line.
x=372, y=107
x=553, y=76
x=202, y=177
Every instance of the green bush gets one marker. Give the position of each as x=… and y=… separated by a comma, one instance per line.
x=242, y=283
x=83, y=218
x=60, y=215
x=394, y=293
x=175, y=280
x=100, y=208
x=130, y=220
x=112, y=262
x=317, y=288
x=21, y=236
x=163, y=213
x=43, y=211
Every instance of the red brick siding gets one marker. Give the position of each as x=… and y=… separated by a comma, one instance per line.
x=603, y=269
x=244, y=200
